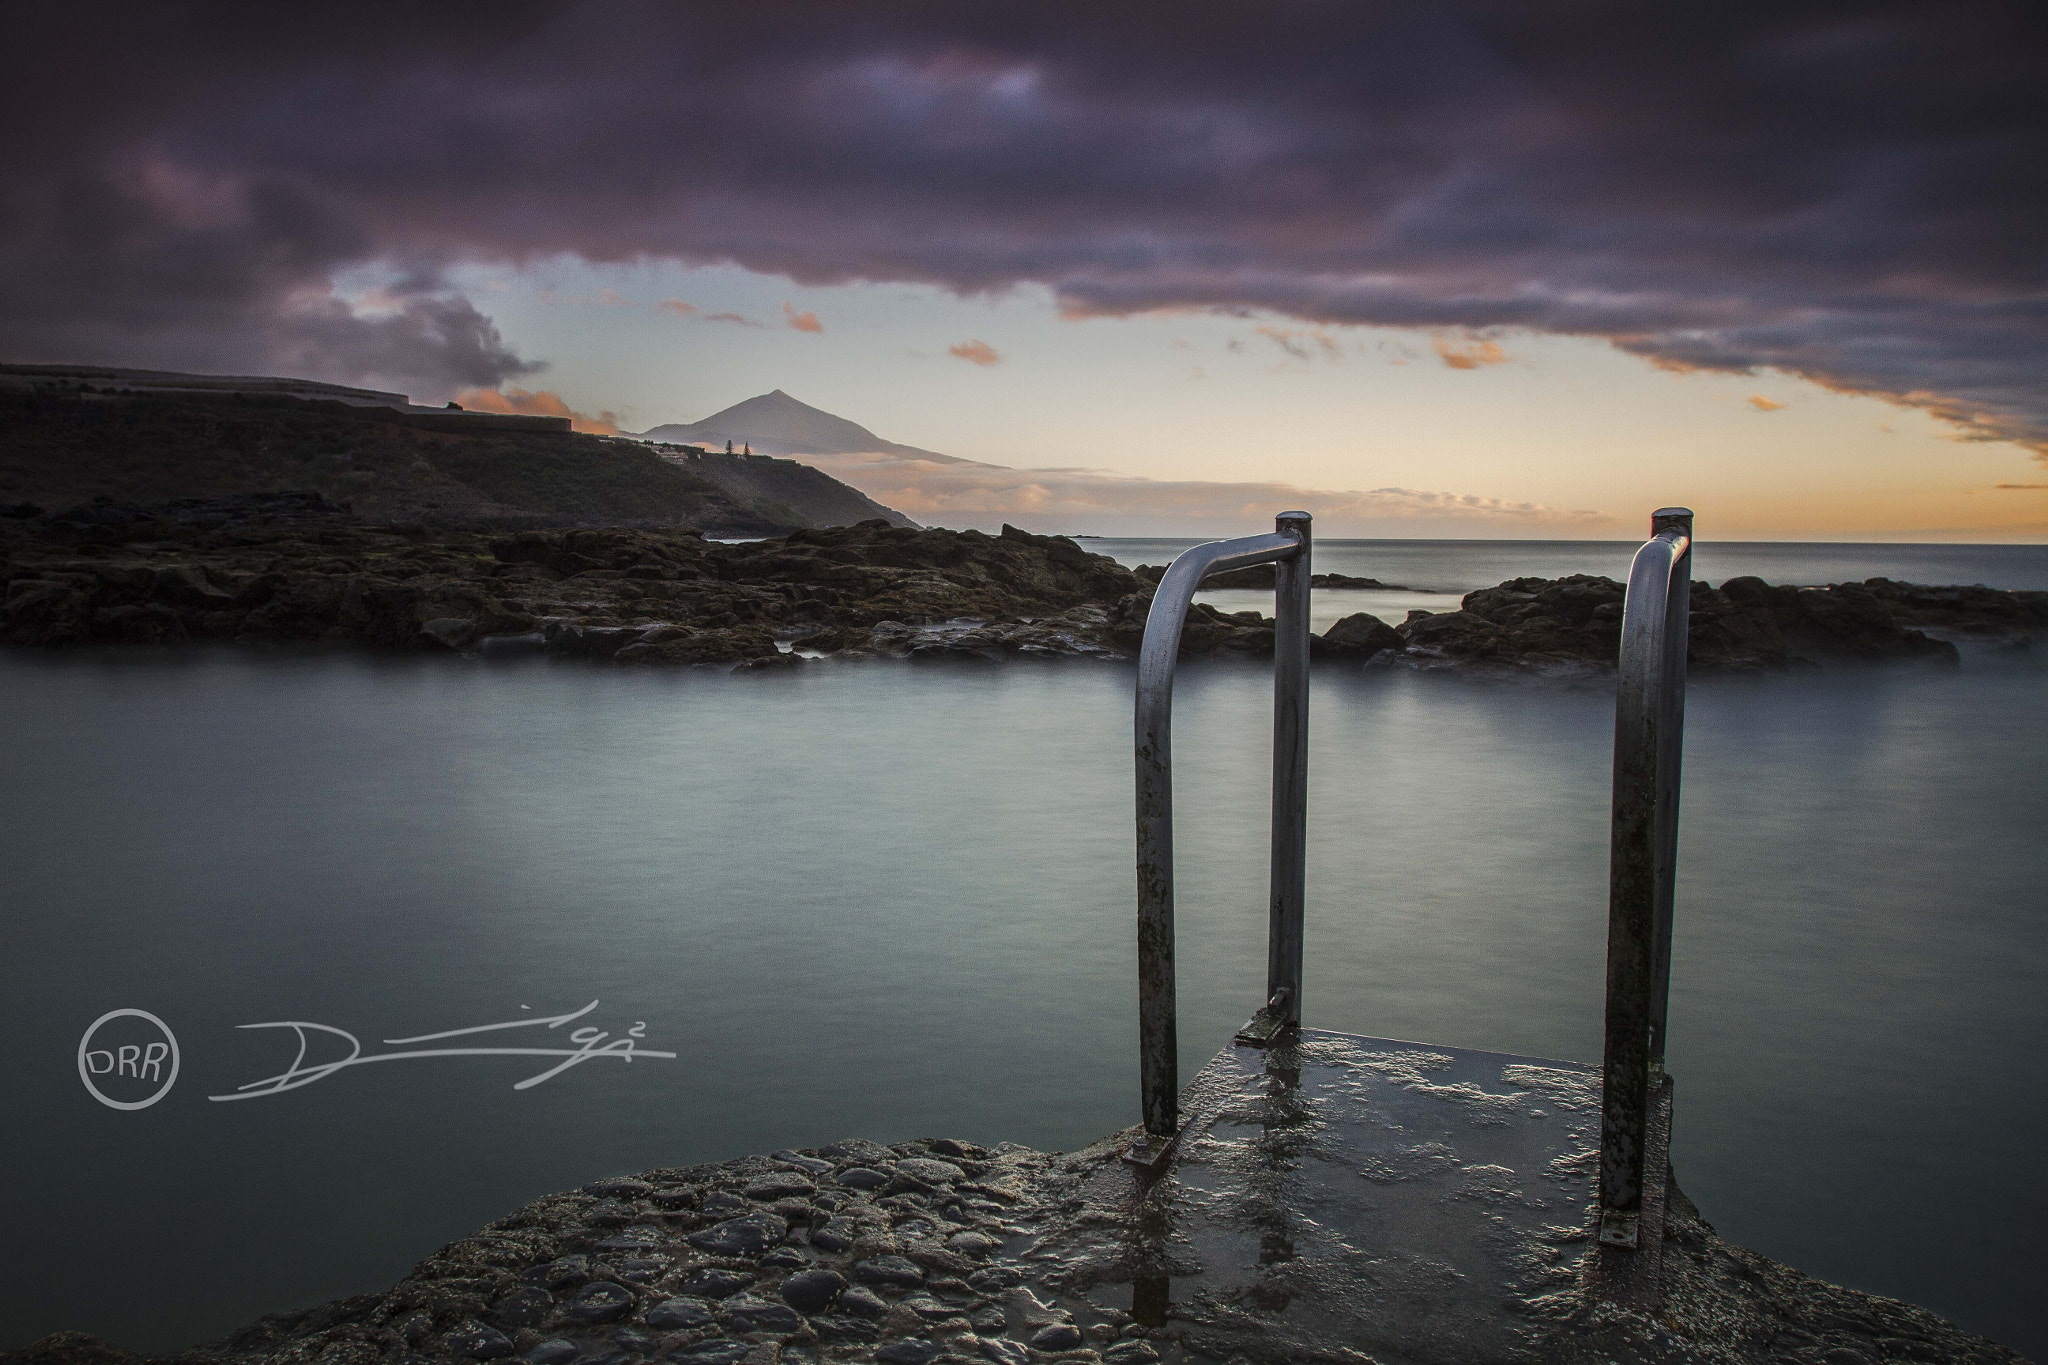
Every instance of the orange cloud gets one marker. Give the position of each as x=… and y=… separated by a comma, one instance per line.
x=975, y=352
x=2017, y=486
x=678, y=307
x=537, y=402
x=1763, y=404
x=739, y=318
x=802, y=322
x=1471, y=355
x=1286, y=338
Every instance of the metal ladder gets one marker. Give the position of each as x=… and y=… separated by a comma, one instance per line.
x=1649, y=720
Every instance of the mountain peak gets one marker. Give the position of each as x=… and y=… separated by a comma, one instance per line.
x=774, y=423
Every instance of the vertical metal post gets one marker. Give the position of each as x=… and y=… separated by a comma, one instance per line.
x=1290, y=772
x=1648, y=710
x=1158, y=1029
x=1670, y=754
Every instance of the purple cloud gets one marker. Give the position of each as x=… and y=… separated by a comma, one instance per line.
x=1855, y=195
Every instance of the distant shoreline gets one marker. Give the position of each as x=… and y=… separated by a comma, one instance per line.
x=297, y=568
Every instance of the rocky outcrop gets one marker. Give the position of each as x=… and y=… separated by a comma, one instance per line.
x=1358, y=636
x=1574, y=624
x=296, y=567
x=299, y=568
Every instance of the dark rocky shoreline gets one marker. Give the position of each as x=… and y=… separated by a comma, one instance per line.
x=297, y=568
x=942, y=1253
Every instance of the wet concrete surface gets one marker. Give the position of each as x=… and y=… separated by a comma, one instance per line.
x=1347, y=1194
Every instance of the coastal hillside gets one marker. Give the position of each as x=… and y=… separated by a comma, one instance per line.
x=62, y=449
x=776, y=424
x=810, y=493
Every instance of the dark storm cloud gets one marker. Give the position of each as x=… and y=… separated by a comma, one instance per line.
x=1853, y=193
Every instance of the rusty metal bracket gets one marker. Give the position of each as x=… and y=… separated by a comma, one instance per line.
x=1273, y=1019
x=1150, y=1153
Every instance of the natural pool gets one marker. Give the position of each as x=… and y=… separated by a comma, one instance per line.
x=896, y=900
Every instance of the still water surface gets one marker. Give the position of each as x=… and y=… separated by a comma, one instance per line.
x=895, y=901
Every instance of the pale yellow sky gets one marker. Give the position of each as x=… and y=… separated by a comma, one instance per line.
x=1569, y=426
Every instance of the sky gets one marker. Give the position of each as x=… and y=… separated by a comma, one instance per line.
x=1469, y=269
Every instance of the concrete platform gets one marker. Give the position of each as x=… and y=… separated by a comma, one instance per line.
x=1347, y=1195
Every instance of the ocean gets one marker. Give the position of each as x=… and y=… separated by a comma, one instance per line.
x=895, y=901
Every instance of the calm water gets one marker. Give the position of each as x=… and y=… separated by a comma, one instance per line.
x=895, y=901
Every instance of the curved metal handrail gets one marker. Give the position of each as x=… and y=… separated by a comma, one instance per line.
x=1158, y=1045
x=1649, y=725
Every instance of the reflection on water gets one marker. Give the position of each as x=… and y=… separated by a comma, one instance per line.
x=896, y=901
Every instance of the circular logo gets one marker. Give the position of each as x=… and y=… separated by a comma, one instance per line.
x=130, y=1060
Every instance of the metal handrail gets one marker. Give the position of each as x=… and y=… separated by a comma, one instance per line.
x=1649, y=726
x=1158, y=1044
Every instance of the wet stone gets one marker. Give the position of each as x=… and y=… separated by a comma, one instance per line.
x=635, y=1339
x=674, y=1314
x=639, y=1237
x=1060, y=1336
x=719, y=1352
x=838, y=1327
x=891, y=1272
x=523, y=1307
x=836, y=1235
x=478, y=1342
x=609, y=1213
x=776, y=1187
x=915, y=1227
x=908, y=1351
x=562, y=1272
x=930, y=1171
x=931, y=1309
x=976, y=1244
x=641, y=1269
x=745, y=1313
x=711, y=1283
x=600, y=1301
x=748, y=1236
x=1004, y=1352
x=862, y=1178
x=1131, y=1353
x=619, y=1189
x=675, y=1197
x=802, y=1162
x=785, y=1258
x=810, y=1291
x=723, y=1201
x=864, y=1301
x=988, y=1320
x=989, y=1279
x=553, y=1351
